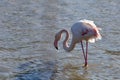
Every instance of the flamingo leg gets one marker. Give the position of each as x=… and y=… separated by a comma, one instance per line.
x=83, y=51
x=86, y=58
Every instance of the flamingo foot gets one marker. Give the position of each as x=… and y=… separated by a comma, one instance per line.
x=85, y=65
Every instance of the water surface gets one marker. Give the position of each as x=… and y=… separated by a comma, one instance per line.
x=27, y=29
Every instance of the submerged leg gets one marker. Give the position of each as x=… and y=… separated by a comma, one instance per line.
x=86, y=55
x=83, y=51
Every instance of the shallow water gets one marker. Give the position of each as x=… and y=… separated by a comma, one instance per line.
x=27, y=29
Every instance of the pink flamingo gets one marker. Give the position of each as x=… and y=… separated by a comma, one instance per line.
x=81, y=30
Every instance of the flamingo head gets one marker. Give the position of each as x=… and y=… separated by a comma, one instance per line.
x=57, y=38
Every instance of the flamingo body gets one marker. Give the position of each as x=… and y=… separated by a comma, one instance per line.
x=81, y=30
x=85, y=30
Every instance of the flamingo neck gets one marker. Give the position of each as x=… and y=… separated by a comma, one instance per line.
x=67, y=47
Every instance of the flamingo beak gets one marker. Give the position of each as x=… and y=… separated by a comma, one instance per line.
x=56, y=44
x=56, y=48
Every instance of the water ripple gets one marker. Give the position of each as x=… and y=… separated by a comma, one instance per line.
x=36, y=70
x=113, y=52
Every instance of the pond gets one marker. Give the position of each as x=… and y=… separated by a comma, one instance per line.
x=27, y=30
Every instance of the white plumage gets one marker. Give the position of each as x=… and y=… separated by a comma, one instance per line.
x=85, y=30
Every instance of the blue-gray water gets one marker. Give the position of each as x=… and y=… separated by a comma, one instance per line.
x=27, y=29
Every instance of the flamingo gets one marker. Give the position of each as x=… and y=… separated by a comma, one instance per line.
x=83, y=30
